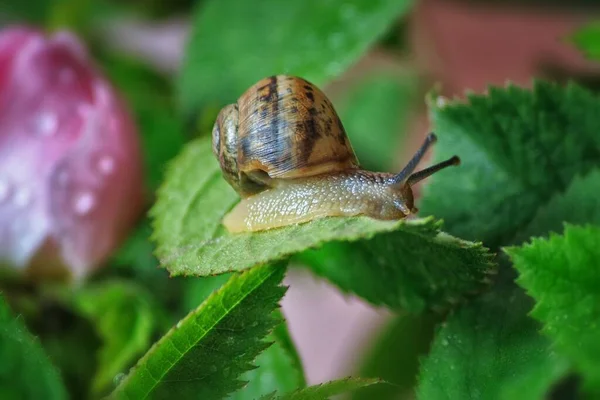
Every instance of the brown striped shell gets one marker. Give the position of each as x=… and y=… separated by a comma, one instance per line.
x=282, y=127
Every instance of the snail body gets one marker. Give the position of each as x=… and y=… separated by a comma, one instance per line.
x=327, y=195
x=284, y=150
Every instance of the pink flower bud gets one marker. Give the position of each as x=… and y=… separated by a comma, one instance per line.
x=71, y=183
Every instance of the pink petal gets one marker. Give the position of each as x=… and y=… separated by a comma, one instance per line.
x=71, y=182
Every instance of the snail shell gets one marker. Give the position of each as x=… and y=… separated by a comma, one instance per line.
x=282, y=127
x=283, y=148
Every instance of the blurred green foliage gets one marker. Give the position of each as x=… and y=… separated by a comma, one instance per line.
x=395, y=356
x=313, y=39
x=588, y=39
x=122, y=314
x=380, y=101
x=24, y=362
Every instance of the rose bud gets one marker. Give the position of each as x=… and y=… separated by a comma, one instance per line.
x=71, y=180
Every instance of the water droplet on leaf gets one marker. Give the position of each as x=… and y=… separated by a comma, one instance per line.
x=441, y=101
x=118, y=378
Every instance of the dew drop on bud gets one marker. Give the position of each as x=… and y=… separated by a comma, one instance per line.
x=84, y=203
x=22, y=198
x=46, y=124
x=106, y=165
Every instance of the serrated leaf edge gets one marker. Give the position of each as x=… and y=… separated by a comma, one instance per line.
x=198, y=310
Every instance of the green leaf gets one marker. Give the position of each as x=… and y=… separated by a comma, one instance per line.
x=150, y=97
x=395, y=357
x=518, y=149
x=562, y=274
x=279, y=369
x=325, y=390
x=124, y=319
x=191, y=241
x=234, y=43
x=371, y=269
x=206, y=352
x=587, y=39
x=25, y=370
x=579, y=204
x=490, y=349
x=374, y=111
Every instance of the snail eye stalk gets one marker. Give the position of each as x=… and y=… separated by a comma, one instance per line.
x=407, y=174
x=412, y=164
x=419, y=176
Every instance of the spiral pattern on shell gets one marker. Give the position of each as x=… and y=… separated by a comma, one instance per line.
x=282, y=127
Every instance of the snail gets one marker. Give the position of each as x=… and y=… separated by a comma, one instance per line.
x=284, y=150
